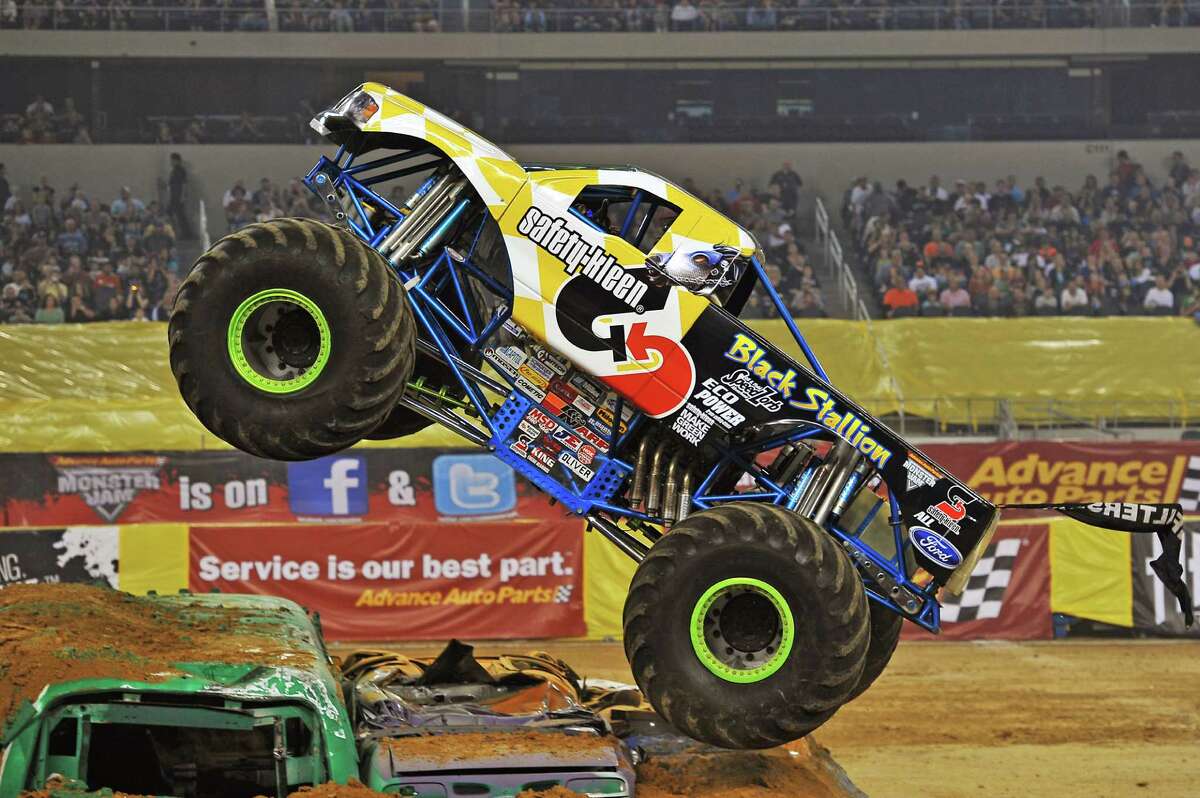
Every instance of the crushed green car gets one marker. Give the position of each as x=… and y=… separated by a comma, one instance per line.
x=209, y=696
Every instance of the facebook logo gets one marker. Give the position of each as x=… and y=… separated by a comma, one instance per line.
x=334, y=485
x=473, y=484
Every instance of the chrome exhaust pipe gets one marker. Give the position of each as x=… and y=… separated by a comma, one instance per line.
x=640, y=464
x=671, y=489
x=685, y=496
x=655, y=478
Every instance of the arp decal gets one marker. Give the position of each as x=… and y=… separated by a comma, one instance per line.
x=934, y=547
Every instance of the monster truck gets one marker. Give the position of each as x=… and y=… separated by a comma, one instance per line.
x=581, y=323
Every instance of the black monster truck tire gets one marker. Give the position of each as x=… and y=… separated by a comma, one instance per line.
x=746, y=626
x=291, y=339
x=885, y=635
x=403, y=421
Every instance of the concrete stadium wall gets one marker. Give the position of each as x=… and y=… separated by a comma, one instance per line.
x=762, y=48
x=827, y=168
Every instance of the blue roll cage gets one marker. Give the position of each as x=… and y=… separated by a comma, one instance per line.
x=443, y=324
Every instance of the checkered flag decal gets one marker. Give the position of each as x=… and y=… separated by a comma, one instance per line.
x=984, y=595
x=1189, y=494
x=562, y=593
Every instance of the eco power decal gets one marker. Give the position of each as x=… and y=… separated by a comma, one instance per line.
x=654, y=371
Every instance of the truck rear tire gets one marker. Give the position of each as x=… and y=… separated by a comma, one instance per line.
x=886, y=626
x=291, y=339
x=746, y=626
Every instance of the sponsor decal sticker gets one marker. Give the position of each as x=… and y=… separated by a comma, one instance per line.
x=755, y=393
x=918, y=475
x=719, y=400
x=553, y=234
x=934, y=547
x=692, y=424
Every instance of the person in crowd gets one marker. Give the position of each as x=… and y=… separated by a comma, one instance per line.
x=900, y=300
x=177, y=184
x=50, y=312
x=1159, y=298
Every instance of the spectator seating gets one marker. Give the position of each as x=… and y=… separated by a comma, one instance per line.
x=1127, y=247
x=94, y=260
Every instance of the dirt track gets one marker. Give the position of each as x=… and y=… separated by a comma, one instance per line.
x=946, y=720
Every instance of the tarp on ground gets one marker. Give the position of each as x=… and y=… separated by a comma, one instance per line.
x=108, y=387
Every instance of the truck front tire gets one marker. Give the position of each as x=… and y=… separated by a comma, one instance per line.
x=291, y=339
x=746, y=626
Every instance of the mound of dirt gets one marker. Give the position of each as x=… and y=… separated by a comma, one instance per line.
x=553, y=792
x=446, y=749
x=58, y=787
x=802, y=769
x=57, y=633
x=354, y=789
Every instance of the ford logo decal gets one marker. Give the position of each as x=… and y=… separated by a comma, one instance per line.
x=934, y=546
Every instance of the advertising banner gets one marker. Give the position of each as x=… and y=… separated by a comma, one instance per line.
x=1027, y=472
x=233, y=487
x=1008, y=594
x=407, y=581
x=49, y=556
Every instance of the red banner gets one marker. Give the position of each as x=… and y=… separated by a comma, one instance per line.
x=230, y=487
x=1008, y=594
x=407, y=581
x=1028, y=472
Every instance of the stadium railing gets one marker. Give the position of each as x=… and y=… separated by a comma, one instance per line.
x=835, y=262
x=931, y=16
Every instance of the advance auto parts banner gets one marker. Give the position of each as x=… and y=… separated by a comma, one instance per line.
x=233, y=487
x=1035, y=471
x=407, y=581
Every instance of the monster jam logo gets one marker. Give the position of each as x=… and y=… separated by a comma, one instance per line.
x=107, y=484
x=580, y=257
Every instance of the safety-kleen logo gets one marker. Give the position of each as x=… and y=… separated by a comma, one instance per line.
x=552, y=234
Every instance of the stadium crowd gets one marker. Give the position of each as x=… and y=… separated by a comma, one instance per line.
x=68, y=257
x=1122, y=246
x=770, y=213
x=430, y=16
x=41, y=123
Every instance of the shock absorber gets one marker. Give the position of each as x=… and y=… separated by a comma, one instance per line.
x=826, y=487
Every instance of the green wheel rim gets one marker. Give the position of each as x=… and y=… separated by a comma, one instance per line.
x=702, y=631
x=248, y=361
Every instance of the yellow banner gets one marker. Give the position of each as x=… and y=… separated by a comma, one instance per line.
x=1090, y=574
x=108, y=387
x=1128, y=368
x=153, y=557
x=607, y=572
